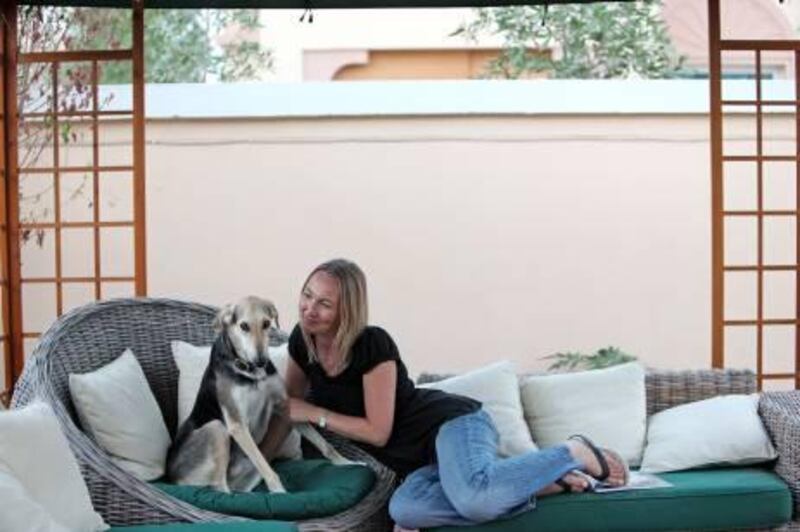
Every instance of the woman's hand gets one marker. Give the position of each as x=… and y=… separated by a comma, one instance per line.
x=375, y=428
x=302, y=412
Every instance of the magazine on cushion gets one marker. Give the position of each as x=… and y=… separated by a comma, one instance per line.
x=636, y=481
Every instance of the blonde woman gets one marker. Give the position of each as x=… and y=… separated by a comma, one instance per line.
x=347, y=376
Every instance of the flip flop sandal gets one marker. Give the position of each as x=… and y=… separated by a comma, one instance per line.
x=601, y=458
x=566, y=488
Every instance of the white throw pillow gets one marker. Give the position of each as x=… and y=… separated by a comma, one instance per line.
x=721, y=430
x=41, y=487
x=117, y=408
x=27, y=514
x=497, y=387
x=192, y=361
x=607, y=405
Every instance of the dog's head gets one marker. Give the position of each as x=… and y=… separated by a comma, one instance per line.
x=248, y=326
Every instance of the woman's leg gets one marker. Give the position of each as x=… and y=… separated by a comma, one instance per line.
x=480, y=485
x=420, y=502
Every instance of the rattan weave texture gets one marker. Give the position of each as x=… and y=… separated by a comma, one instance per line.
x=780, y=411
x=90, y=337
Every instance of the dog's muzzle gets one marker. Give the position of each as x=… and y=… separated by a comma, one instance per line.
x=251, y=367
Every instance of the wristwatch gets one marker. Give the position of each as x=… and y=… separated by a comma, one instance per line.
x=322, y=422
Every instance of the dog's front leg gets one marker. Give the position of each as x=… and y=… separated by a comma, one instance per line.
x=327, y=450
x=241, y=435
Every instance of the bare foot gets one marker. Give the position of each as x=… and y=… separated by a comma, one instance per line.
x=576, y=484
x=586, y=454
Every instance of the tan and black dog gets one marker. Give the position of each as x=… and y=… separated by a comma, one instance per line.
x=240, y=392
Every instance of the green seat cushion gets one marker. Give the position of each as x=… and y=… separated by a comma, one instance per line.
x=315, y=488
x=238, y=526
x=710, y=499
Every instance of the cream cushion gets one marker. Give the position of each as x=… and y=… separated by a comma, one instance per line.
x=722, y=430
x=117, y=408
x=606, y=405
x=497, y=387
x=39, y=476
x=192, y=361
x=27, y=513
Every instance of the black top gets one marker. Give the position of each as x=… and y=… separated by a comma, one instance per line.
x=418, y=412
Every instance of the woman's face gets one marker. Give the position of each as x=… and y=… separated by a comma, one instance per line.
x=319, y=304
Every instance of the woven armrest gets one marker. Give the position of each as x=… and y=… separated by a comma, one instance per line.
x=670, y=388
x=91, y=336
x=780, y=412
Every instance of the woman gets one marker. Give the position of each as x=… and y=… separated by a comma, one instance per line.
x=348, y=377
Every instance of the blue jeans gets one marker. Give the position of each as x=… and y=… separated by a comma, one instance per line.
x=470, y=484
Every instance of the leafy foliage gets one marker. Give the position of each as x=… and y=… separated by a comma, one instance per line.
x=180, y=46
x=42, y=89
x=602, y=358
x=596, y=40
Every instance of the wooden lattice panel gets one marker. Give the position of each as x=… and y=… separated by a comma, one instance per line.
x=756, y=209
x=72, y=224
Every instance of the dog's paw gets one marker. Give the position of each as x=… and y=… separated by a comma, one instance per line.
x=221, y=487
x=277, y=489
x=342, y=461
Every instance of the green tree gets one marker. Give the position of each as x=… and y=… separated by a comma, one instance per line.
x=596, y=40
x=180, y=44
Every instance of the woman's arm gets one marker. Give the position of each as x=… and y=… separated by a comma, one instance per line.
x=296, y=381
x=375, y=428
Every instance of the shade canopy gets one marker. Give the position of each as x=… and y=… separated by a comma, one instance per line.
x=301, y=4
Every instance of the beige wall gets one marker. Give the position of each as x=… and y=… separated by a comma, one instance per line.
x=482, y=237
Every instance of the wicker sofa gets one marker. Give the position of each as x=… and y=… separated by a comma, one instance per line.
x=90, y=337
x=779, y=411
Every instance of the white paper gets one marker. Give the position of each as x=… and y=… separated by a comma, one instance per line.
x=636, y=481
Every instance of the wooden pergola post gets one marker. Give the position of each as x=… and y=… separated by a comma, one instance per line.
x=10, y=243
x=11, y=276
x=717, y=227
x=140, y=244
x=761, y=321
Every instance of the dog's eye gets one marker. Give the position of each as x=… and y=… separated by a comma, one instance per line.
x=265, y=325
x=244, y=326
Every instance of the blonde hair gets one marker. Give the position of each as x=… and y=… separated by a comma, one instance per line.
x=353, y=307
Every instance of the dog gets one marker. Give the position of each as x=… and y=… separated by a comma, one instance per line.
x=241, y=391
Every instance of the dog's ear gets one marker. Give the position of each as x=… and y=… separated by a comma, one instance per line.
x=272, y=311
x=224, y=317
x=269, y=309
x=275, y=334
